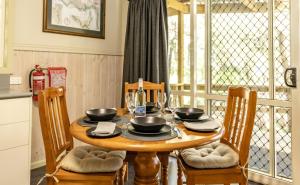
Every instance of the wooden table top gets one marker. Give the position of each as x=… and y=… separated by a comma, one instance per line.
x=189, y=139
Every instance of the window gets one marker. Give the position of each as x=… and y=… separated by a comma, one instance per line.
x=2, y=31
x=244, y=43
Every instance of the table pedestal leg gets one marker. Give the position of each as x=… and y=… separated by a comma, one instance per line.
x=146, y=167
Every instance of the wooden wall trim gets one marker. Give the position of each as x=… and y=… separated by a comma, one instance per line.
x=63, y=49
x=37, y=164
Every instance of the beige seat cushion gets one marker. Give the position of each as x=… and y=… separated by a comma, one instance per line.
x=215, y=155
x=89, y=159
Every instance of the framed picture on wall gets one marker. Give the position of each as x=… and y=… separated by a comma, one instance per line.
x=75, y=17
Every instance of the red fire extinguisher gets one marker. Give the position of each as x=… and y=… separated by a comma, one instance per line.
x=36, y=81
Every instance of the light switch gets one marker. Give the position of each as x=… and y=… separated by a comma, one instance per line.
x=15, y=80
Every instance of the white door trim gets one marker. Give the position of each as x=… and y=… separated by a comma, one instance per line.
x=295, y=40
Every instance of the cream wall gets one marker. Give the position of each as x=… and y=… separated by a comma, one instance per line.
x=94, y=65
x=28, y=35
x=124, y=8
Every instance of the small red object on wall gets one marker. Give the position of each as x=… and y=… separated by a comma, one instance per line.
x=38, y=81
x=57, y=76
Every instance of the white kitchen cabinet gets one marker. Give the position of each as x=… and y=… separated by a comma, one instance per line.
x=15, y=140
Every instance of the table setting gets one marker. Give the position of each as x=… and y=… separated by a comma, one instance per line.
x=159, y=123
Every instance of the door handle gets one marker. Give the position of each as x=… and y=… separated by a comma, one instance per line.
x=290, y=77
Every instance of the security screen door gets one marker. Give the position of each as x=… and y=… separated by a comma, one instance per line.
x=214, y=44
x=249, y=45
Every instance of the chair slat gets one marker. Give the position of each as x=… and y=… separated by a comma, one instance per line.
x=155, y=95
x=148, y=95
x=237, y=119
x=59, y=111
x=52, y=129
x=232, y=116
x=57, y=124
x=227, y=117
x=241, y=129
x=60, y=125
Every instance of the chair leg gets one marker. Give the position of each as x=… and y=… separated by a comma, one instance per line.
x=126, y=172
x=114, y=182
x=179, y=173
x=50, y=181
x=189, y=181
x=122, y=174
x=244, y=181
x=164, y=159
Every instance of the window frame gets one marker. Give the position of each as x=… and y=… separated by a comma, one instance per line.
x=6, y=38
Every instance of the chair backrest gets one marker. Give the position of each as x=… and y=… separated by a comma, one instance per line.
x=55, y=125
x=148, y=87
x=239, y=120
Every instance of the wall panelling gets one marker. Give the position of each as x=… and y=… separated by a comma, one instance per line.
x=92, y=81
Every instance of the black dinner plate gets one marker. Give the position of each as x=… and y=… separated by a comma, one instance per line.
x=90, y=133
x=88, y=120
x=202, y=118
x=164, y=130
x=153, y=110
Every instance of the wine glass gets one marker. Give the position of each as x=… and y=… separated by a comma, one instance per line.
x=130, y=101
x=161, y=100
x=172, y=105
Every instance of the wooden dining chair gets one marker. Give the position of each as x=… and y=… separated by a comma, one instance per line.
x=149, y=87
x=66, y=165
x=153, y=88
x=196, y=163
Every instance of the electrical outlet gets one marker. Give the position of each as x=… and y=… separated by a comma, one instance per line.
x=15, y=80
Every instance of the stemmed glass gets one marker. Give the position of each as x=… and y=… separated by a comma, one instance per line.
x=130, y=101
x=161, y=100
x=172, y=105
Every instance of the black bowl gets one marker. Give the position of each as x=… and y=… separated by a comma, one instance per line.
x=189, y=113
x=150, y=106
x=148, y=124
x=101, y=114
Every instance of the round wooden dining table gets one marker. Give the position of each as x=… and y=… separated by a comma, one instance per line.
x=146, y=162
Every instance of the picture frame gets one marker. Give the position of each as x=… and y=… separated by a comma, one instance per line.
x=82, y=18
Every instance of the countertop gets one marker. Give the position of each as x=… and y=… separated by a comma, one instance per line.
x=11, y=94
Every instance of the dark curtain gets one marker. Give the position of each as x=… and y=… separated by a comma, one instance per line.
x=146, y=44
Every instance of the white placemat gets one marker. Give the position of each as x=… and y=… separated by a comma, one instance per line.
x=206, y=126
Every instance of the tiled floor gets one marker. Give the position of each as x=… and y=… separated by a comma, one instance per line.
x=38, y=173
